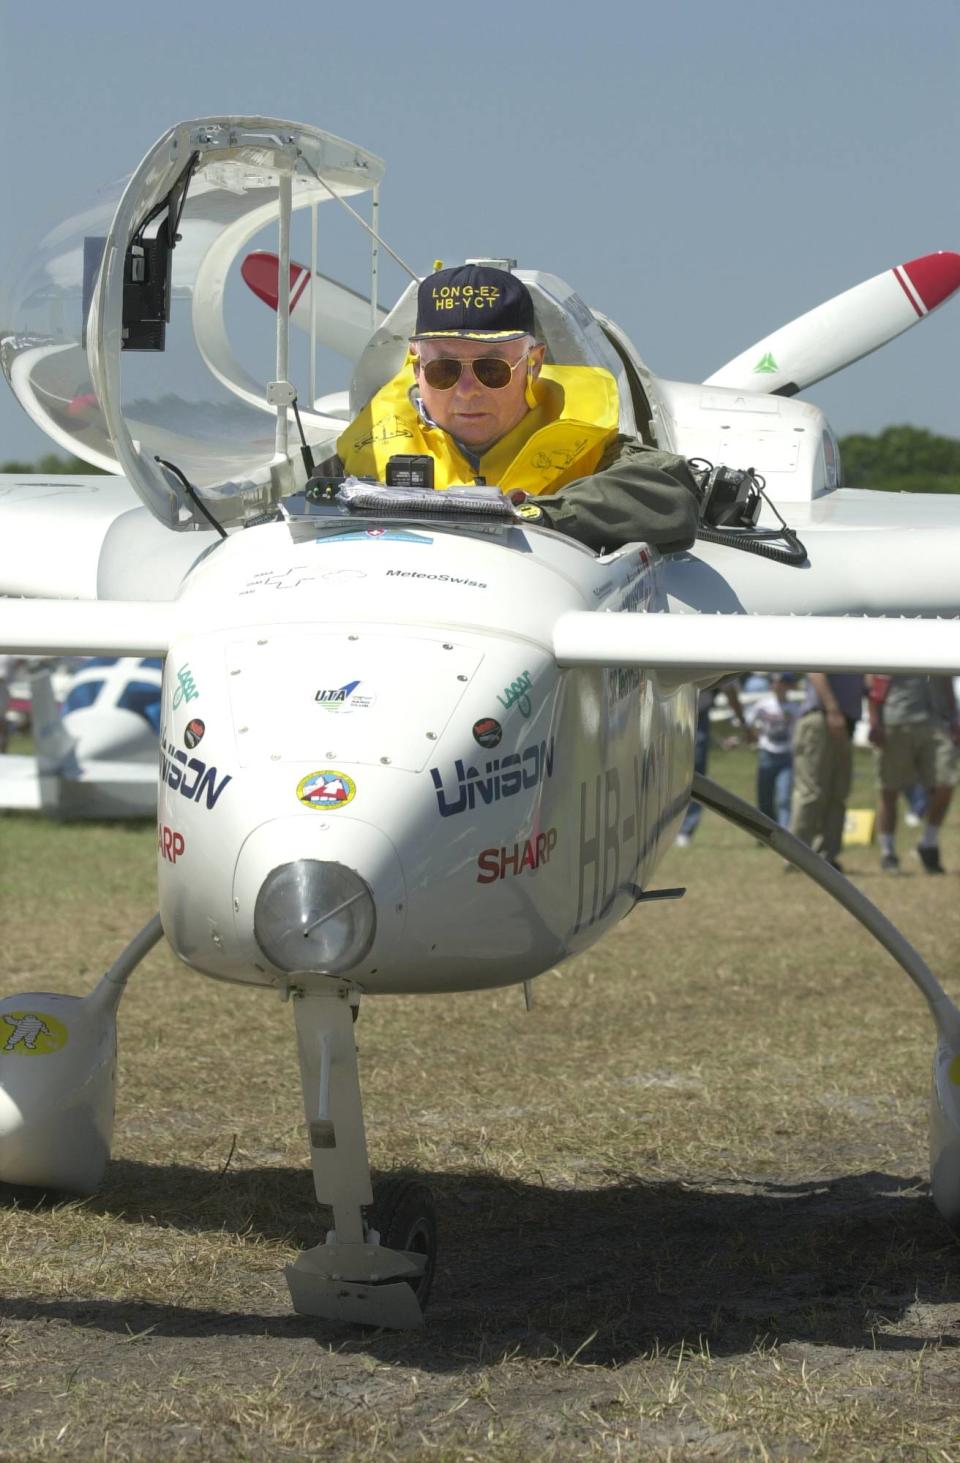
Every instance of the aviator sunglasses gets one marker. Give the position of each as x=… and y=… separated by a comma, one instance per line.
x=443, y=373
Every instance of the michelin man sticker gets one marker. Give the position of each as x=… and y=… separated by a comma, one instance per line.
x=327, y=790
x=31, y=1033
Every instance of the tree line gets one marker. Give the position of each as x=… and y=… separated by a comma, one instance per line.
x=897, y=460
x=52, y=462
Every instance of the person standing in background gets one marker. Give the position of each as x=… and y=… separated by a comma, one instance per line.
x=823, y=761
x=915, y=729
x=7, y=666
x=772, y=720
x=701, y=750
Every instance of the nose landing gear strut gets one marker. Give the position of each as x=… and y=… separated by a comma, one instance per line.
x=376, y=1265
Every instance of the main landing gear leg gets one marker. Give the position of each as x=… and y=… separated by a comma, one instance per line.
x=56, y=1114
x=351, y=1277
x=945, y=1093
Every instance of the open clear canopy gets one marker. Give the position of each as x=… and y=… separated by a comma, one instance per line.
x=65, y=346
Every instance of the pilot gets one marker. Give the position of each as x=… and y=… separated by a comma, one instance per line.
x=475, y=395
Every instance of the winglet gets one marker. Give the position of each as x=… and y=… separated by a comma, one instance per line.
x=52, y=741
x=843, y=329
x=930, y=280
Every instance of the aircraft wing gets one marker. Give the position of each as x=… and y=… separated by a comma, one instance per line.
x=84, y=537
x=97, y=790
x=869, y=553
x=698, y=647
x=52, y=530
x=99, y=627
x=19, y=783
x=693, y=645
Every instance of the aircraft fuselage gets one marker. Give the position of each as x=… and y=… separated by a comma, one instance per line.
x=385, y=698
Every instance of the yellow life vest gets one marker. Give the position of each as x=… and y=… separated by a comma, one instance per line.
x=561, y=438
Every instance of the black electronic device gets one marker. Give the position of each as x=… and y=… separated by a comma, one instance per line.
x=410, y=470
x=323, y=488
x=147, y=271
x=731, y=498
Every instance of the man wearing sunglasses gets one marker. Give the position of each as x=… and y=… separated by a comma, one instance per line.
x=476, y=396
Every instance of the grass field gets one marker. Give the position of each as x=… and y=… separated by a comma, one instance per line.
x=683, y=1203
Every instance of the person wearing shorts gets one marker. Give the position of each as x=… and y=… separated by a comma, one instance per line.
x=915, y=730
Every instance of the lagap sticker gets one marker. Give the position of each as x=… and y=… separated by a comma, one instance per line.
x=186, y=689
x=516, y=694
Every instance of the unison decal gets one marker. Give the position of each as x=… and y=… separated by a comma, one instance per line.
x=502, y=777
x=192, y=778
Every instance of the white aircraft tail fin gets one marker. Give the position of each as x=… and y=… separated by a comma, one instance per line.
x=52, y=742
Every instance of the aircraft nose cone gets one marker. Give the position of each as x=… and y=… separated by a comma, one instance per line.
x=934, y=277
x=313, y=915
x=320, y=894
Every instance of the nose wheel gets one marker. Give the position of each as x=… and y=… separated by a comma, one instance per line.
x=405, y=1217
x=376, y=1264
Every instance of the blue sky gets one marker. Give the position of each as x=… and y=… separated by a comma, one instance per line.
x=702, y=173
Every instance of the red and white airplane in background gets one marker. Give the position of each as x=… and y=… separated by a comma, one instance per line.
x=376, y=775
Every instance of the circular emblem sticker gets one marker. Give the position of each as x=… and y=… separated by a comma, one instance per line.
x=487, y=731
x=31, y=1033
x=193, y=732
x=326, y=789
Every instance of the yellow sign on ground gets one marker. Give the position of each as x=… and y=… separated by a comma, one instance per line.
x=858, y=827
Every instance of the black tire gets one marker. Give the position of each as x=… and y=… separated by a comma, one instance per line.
x=403, y=1212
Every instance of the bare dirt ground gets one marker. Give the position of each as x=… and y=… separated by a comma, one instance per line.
x=683, y=1203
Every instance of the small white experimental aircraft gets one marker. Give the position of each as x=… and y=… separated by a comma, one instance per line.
x=96, y=754
x=409, y=742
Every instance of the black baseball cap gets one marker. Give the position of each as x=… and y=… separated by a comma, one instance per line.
x=474, y=302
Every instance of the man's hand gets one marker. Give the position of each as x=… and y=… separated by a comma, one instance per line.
x=836, y=721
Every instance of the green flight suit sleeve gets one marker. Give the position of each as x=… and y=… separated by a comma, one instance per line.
x=638, y=494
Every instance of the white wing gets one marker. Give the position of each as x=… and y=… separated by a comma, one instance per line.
x=84, y=537
x=699, y=646
x=693, y=646
x=101, y=627
x=869, y=554
x=19, y=783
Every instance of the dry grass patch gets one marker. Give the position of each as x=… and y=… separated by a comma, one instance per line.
x=683, y=1204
